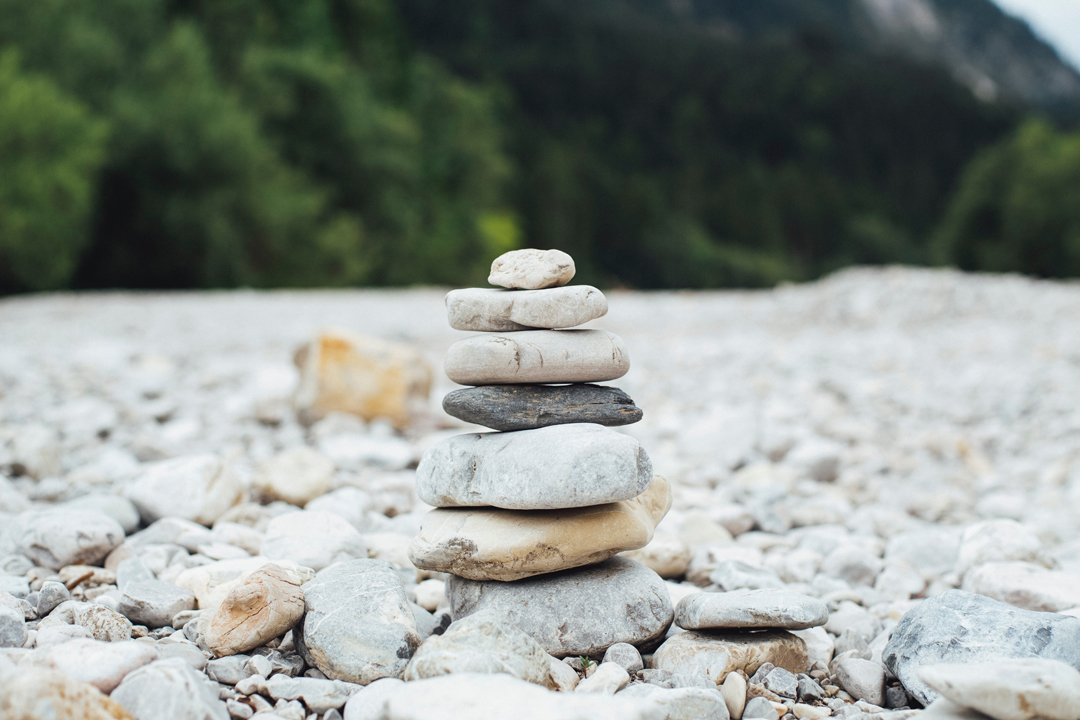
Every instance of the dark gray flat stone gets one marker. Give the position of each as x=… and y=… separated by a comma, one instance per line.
x=525, y=407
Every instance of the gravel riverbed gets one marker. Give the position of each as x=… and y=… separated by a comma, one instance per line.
x=881, y=440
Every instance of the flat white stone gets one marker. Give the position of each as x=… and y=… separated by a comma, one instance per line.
x=765, y=608
x=560, y=466
x=532, y=269
x=489, y=310
x=681, y=703
x=1010, y=689
x=312, y=539
x=537, y=356
x=102, y=664
x=198, y=488
x=475, y=696
x=169, y=690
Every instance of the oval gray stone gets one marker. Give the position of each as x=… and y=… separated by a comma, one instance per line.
x=527, y=407
x=746, y=609
x=538, y=356
x=488, y=310
x=563, y=466
x=576, y=612
x=962, y=628
x=358, y=624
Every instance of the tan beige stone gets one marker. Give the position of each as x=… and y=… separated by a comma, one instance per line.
x=212, y=582
x=297, y=476
x=666, y=555
x=714, y=654
x=260, y=607
x=494, y=544
x=38, y=694
x=345, y=371
x=537, y=356
x=532, y=269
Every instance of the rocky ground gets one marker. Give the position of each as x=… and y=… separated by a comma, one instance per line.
x=883, y=442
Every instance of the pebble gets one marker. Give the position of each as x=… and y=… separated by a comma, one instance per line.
x=13, y=630
x=318, y=695
x=58, y=635
x=481, y=643
x=666, y=555
x=118, y=508
x=488, y=310
x=1025, y=585
x=469, y=696
x=760, y=708
x=527, y=407
x=532, y=269
x=962, y=628
x=537, y=356
x=608, y=679
x=40, y=694
x=998, y=540
x=102, y=664
x=586, y=465
x=942, y=709
x=714, y=654
x=625, y=656
x=358, y=625
x=737, y=575
x=681, y=703
x=259, y=607
x=810, y=712
x=230, y=670
x=733, y=688
x=563, y=677
x=154, y=603
x=862, y=679
x=100, y=621
x=212, y=582
x=56, y=538
x=1015, y=689
x=297, y=476
x=199, y=488
x=431, y=594
x=343, y=371
x=506, y=545
x=576, y=612
x=169, y=690
x=743, y=609
x=50, y=595
x=781, y=682
x=312, y=539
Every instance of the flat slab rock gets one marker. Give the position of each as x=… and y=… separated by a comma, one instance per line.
x=563, y=466
x=713, y=654
x=532, y=269
x=489, y=310
x=1015, y=689
x=526, y=407
x=506, y=545
x=751, y=609
x=961, y=627
x=575, y=612
x=537, y=356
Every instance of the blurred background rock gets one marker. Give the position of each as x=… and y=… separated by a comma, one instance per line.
x=663, y=143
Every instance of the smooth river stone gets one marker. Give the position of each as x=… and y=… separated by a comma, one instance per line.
x=538, y=356
x=745, y=609
x=713, y=654
x=527, y=407
x=513, y=544
x=583, y=611
x=532, y=269
x=563, y=466
x=489, y=310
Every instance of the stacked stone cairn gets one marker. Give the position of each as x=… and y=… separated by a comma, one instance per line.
x=529, y=518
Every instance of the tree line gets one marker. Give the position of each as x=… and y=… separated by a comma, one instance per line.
x=269, y=143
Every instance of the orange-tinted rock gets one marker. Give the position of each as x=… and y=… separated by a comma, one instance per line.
x=345, y=371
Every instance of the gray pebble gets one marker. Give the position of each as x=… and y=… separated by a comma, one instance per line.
x=52, y=593
x=761, y=708
x=626, y=656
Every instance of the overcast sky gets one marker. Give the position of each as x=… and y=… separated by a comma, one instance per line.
x=1057, y=21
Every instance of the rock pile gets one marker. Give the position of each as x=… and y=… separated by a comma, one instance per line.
x=529, y=518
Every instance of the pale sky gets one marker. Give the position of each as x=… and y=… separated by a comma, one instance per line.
x=1056, y=21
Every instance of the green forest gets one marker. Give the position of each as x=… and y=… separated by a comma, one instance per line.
x=298, y=143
